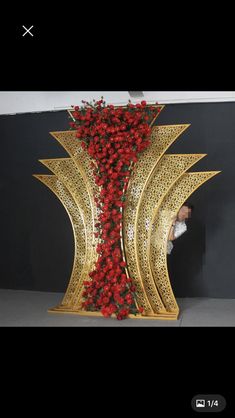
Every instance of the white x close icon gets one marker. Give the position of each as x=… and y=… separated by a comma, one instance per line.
x=27, y=30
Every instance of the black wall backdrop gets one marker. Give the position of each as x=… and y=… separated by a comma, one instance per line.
x=36, y=235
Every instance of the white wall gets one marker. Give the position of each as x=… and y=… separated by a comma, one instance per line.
x=38, y=101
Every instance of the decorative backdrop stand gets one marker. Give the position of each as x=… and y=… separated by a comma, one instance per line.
x=157, y=188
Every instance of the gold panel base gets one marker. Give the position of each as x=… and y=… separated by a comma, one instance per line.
x=62, y=309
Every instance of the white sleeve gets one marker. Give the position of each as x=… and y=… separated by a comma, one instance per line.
x=169, y=247
x=179, y=229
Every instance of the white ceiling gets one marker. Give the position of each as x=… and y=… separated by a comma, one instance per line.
x=12, y=102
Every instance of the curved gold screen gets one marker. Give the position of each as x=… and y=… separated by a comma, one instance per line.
x=159, y=184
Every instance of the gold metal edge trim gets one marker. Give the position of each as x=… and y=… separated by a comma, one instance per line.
x=168, y=316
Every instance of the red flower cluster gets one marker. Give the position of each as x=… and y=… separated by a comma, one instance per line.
x=113, y=137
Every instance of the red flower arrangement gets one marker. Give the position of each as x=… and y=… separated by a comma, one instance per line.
x=114, y=138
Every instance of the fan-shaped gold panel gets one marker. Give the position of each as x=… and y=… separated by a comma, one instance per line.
x=80, y=267
x=164, y=175
x=159, y=229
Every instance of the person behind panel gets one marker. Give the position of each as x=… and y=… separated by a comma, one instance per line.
x=179, y=226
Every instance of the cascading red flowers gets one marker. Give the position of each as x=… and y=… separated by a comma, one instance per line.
x=114, y=138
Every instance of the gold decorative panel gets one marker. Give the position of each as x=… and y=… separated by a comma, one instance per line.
x=159, y=184
x=161, y=222
x=80, y=266
x=165, y=173
x=79, y=189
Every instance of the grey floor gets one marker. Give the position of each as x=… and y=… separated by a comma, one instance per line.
x=26, y=308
